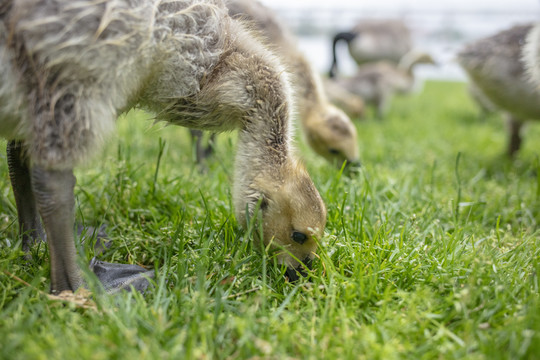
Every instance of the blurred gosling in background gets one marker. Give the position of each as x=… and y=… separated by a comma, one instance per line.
x=496, y=66
x=328, y=130
x=378, y=82
x=531, y=55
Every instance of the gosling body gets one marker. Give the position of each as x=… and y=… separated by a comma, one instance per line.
x=495, y=65
x=68, y=69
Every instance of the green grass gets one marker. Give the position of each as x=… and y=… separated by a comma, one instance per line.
x=432, y=251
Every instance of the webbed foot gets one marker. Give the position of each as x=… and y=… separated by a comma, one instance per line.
x=113, y=277
x=117, y=277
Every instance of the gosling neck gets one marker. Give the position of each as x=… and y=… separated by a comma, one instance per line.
x=264, y=148
x=264, y=141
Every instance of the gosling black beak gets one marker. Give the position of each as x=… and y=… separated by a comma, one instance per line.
x=294, y=273
x=352, y=167
x=355, y=164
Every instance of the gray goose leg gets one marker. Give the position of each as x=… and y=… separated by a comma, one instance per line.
x=53, y=190
x=29, y=223
x=30, y=227
x=202, y=152
x=514, y=131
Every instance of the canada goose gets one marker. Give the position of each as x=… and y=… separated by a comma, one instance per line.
x=494, y=64
x=63, y=83
x=328, y=130
x=377, y=82
x=373, y=41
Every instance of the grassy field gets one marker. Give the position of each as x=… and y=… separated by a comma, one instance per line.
x=431, y=251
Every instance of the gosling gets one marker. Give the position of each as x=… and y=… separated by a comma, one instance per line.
x=327, y=129
x=67, y=72
x=377, y=83
x=495, y=65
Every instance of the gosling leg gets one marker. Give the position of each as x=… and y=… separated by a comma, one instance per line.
x=514, y=130
x=201, y=152
x=382, y=104
x=56, y=204
x=29, y=222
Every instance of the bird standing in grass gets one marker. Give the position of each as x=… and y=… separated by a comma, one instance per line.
x=69, y=68
x=378, y=82
x=372, y=41
x=495, y=65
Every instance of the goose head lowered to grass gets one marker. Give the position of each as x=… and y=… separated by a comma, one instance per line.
x=64, y=82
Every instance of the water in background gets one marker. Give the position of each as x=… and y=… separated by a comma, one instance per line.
x=440, y=32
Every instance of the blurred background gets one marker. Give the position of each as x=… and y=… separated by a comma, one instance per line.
x=440, y=27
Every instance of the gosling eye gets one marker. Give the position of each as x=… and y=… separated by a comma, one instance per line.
x=334, y=151
x=299, y=237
